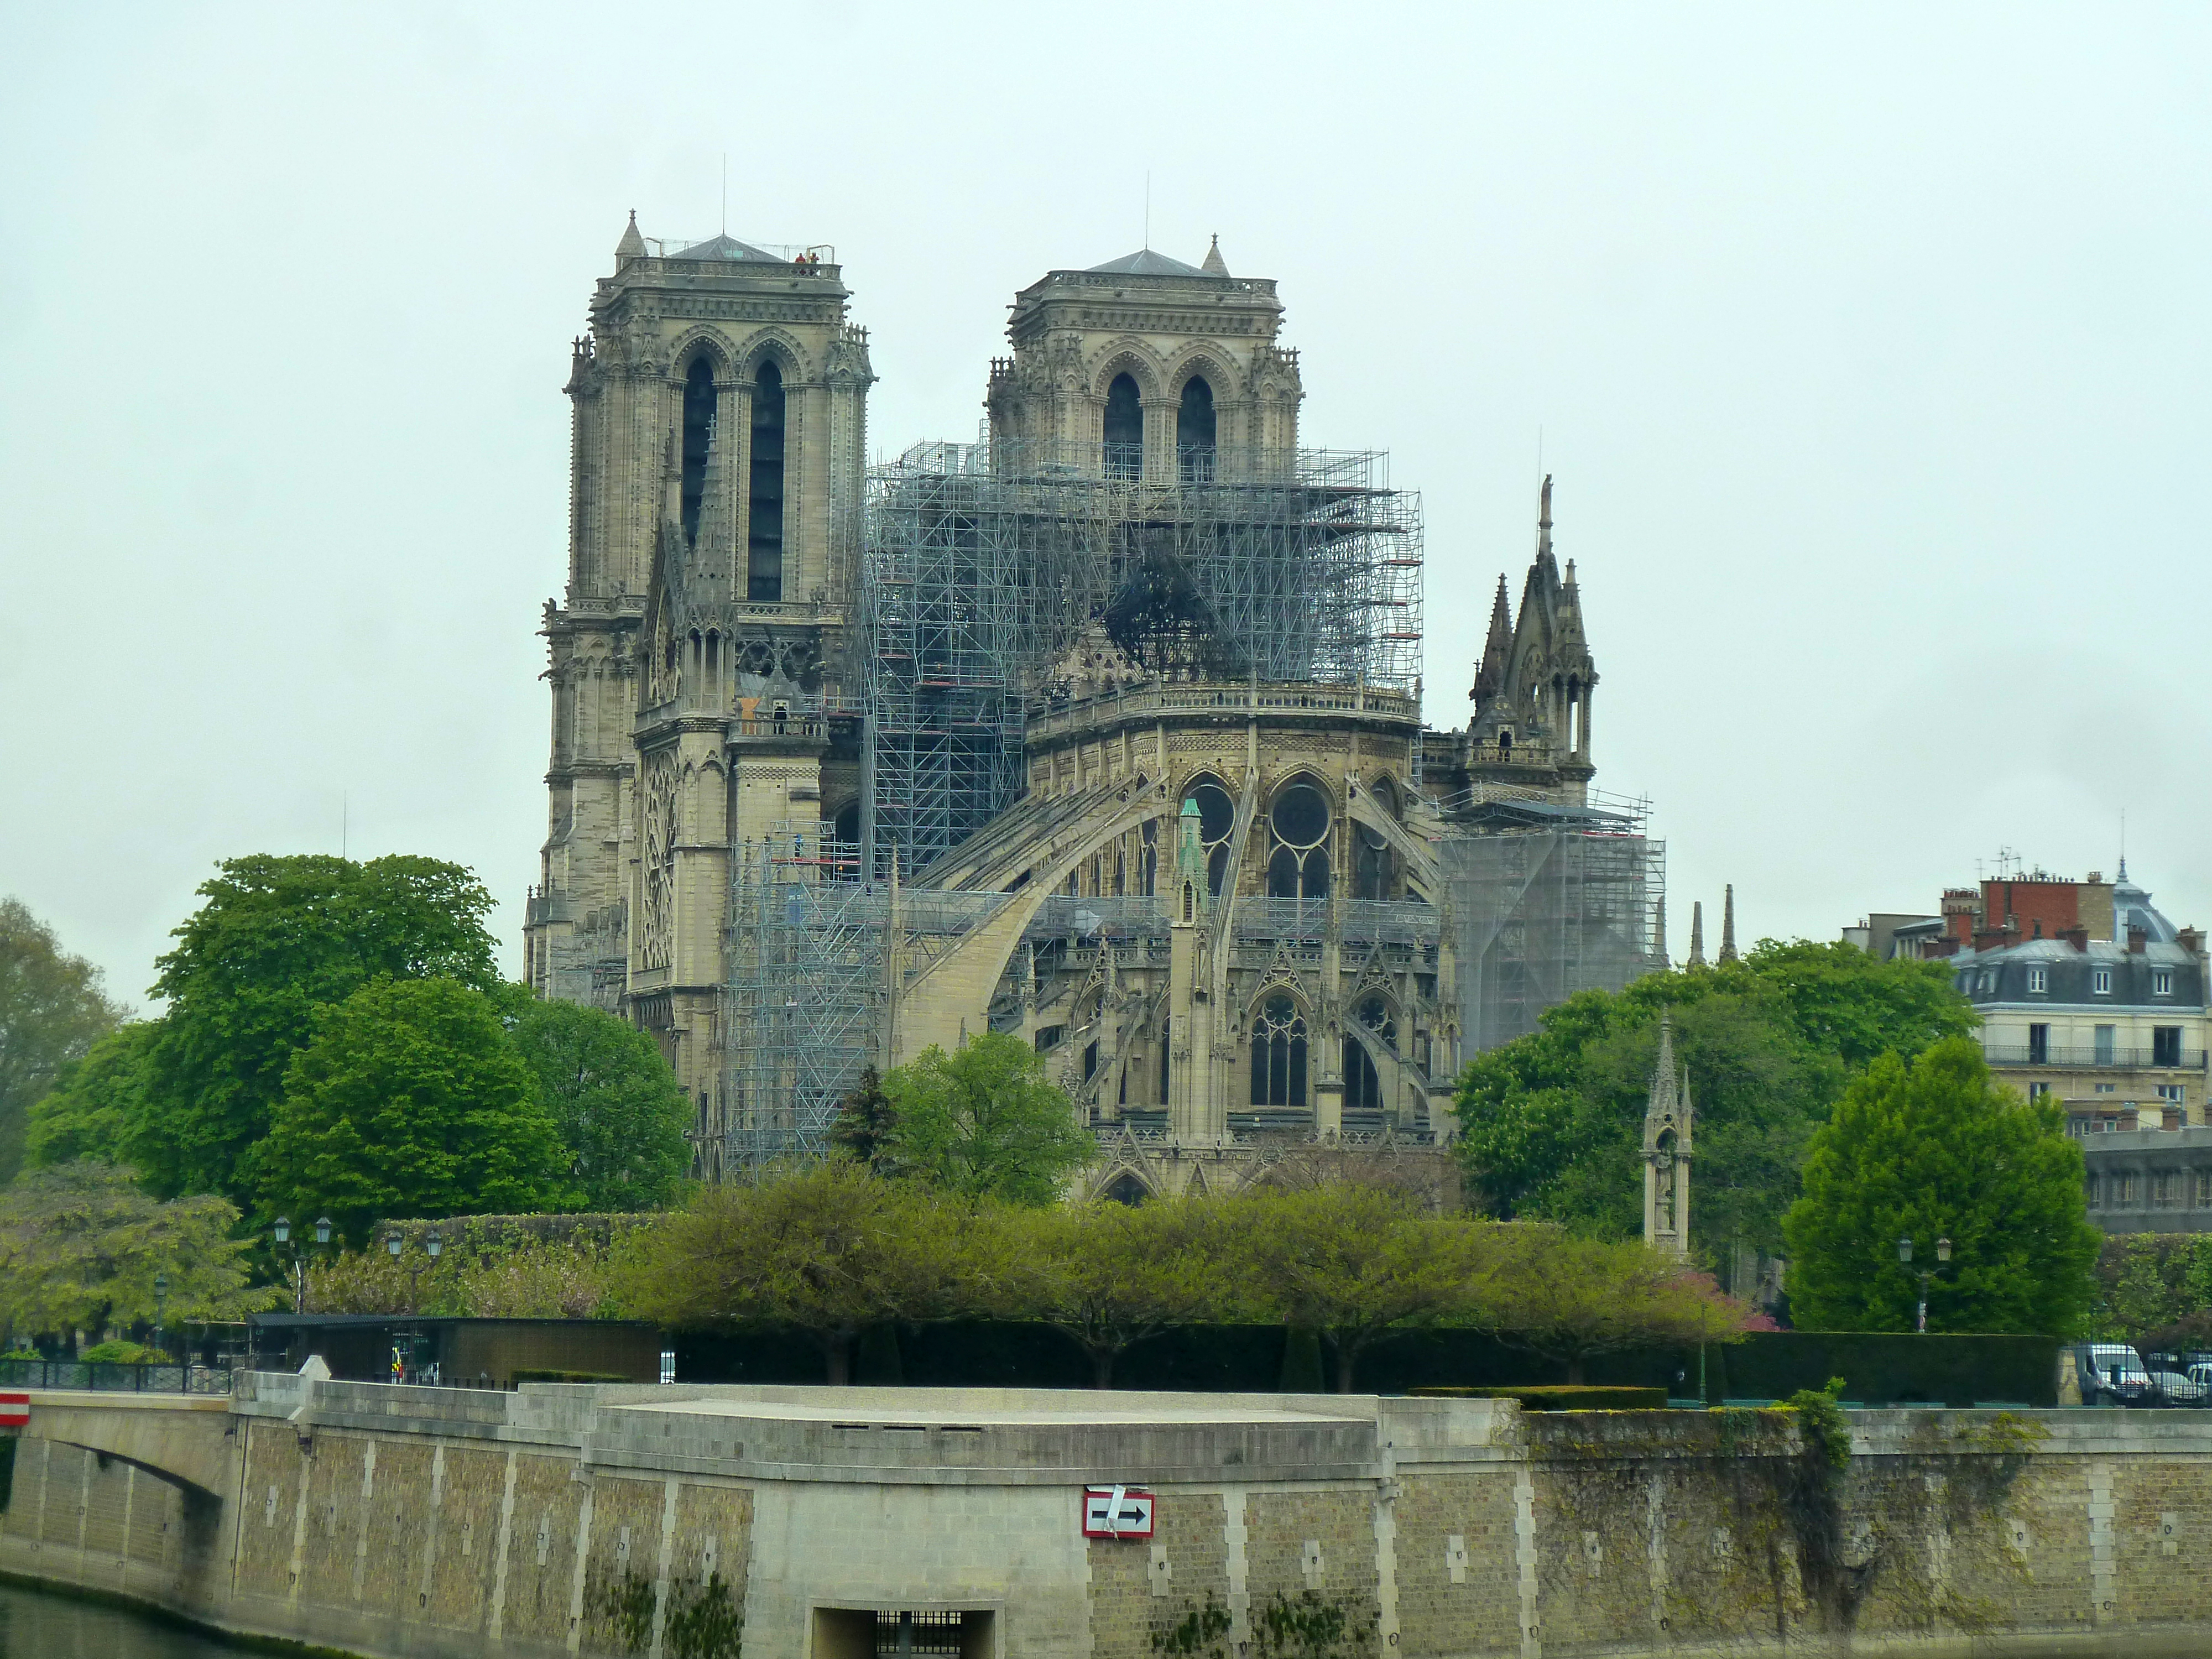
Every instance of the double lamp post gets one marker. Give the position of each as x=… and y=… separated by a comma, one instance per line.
x=1943, y=1258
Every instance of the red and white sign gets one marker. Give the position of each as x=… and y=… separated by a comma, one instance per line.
x=15, y=1414
x=1117, y=1512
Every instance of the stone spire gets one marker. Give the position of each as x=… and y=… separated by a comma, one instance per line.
x=1660, y=936
x=1489, y=674
x=1544, y=525
x=1697, y=934
x=1727, y=925
x=1214, y=265
x=1667, y=1150
x=632, y=245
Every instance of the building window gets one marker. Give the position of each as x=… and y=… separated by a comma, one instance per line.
x=1279, y=1054
x=2166, y=1045
x=1194, y=427
x=765, y=539
x=1124, y=430
x=2204, y=1190
x=2103, y=1051
x=2037, y=1090
x=2036, y=981
x=2096, y=1192
x=2170, y=1093
x=2039, y=1045
x=2126, y=1194
x=698, y=442
x=2106, y=1088
x=1363, y=1088
x=2161, y=982
x=2165, y=1190
x=2100, y=981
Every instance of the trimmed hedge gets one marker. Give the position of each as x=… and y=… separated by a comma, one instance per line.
x=541, y=1375
x=1560, y=1397
x=1878, y=1368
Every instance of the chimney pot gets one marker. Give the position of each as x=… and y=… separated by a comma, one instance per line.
x=2137, y=940
x=2190, y=940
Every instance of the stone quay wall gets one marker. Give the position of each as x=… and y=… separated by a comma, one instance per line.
x=687, y=1522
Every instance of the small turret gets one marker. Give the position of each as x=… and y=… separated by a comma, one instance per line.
x=632, y=245
x=1214, y=265
x=1697, y=934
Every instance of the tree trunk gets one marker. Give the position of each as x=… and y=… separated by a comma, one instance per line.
x=837, y=1357
x=1102, y=1368
x=1345, y=1357
x=1577, y=1372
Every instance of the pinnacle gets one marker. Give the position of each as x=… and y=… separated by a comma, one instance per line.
x=632, y=245
x=1214, y=265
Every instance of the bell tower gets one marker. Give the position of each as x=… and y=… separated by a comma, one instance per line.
x=697, y=660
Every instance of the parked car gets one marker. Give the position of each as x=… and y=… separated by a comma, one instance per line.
x=2112, y=1373
x=2176, y=1388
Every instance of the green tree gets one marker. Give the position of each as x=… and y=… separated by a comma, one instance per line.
x=1572, y=1299
x=984, y=1122
x=1109, y=1275
x=865, y=1121
x=1356, y=1261
x=411, y=1101
x=95, y=1100
x=1932, y=1148
x=82, y=1243
x=51, y=1012
x=1551, y=1125
x=829, y=1251
x=617, y=1107
x=277, y=940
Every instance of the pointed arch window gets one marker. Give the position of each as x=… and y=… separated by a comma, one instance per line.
x=1279, y=1054
x=1363, y=1085
x=764, y=536
x=698, y=442
x=1124, y=430
x=1195, y=431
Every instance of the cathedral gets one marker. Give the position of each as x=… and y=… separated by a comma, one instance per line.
x=1104, y=730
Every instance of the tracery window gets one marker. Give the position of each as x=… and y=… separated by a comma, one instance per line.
x=1278, y=1052
x=1363, y=1085
x=1194, y=430
x=1298, y=820
x=1124, y=430
x=1216, y=818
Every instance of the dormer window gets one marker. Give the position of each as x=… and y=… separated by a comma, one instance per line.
x=2100, y=981
x=2036, y=981
x=2161, y=982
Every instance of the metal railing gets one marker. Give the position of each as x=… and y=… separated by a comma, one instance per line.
x=106, y=1378
x=2185, y=1060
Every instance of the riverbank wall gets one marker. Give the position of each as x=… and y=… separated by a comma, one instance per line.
x=710, y=1523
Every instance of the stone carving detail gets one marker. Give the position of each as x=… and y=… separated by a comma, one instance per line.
x=658, y=809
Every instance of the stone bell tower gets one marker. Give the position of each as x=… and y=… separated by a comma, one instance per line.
x=697, y=660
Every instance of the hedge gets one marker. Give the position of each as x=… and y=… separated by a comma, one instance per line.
x=1562, y=1397
x=1878, y=1368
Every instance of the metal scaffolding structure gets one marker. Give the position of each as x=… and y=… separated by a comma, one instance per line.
x=985, y=562
x=1547, y=900
x=814, y=955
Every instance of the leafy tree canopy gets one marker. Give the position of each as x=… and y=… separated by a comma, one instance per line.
x=1109, y=1275
x=51, y=1012
x=411, y=1100
x=830, y=1249
x=1936, y=1147
x=95, y=1100
x=1570, y=1298
x=2155, y=1290
x=617, y=1107
x=81, y=1245
x=984, y=1122
x=865, y=1119
x=276, y=940
x=1551, y=1123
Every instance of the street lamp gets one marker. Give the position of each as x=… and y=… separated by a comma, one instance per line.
x=1942, y=1255
x=283, y=1230
x=161, y=1302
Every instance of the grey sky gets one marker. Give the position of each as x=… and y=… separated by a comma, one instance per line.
x=1870, y=350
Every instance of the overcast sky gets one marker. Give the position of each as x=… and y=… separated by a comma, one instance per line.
x=1870, y=350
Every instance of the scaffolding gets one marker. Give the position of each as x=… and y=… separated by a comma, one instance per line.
x=987, y=562
x=1547, y=900
x=811, y=974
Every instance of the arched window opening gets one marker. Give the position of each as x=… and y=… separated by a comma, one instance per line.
x=1194, y=428
x=1279, y=1054
x=1505, y=744
x=845, y=833
x=698, y=442
x=1126, y=1188
x=1216, y=816
x=1167, y=1024
x=1299, y=818
x=1189, y=903
x=1283, y=874
x=1299, y=814
x=1363, y=1085
x=765, y=539
x=1372, y=877
x=1124, y=430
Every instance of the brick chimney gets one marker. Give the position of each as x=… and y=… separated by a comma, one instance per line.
x=2137, y=939
x=2189, y=939
x=2077, y=936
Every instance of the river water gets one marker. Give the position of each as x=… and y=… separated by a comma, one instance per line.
x=35, y=1626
